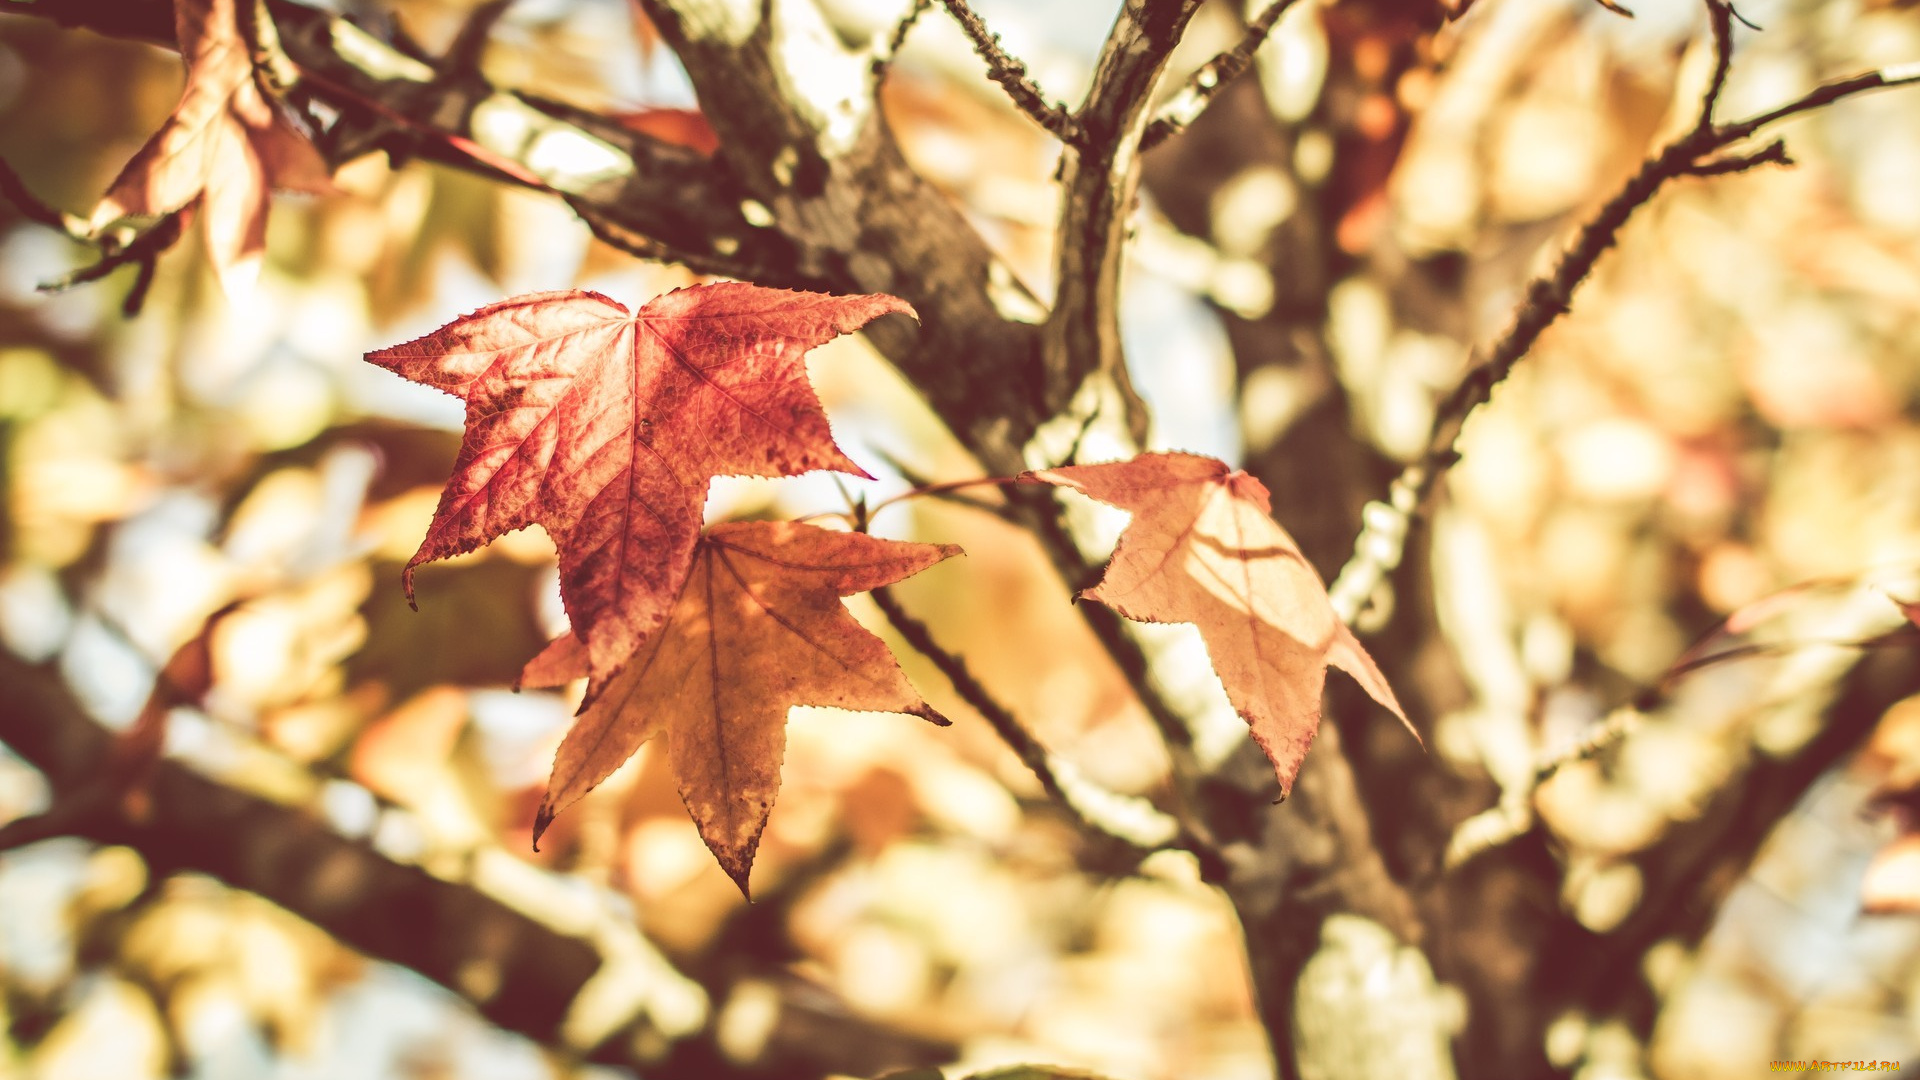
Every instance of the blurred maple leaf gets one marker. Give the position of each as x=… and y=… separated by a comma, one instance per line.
x=225, y=147
x=759, y=627
x=400, y=755
x=604, y=426
x=1203, y=548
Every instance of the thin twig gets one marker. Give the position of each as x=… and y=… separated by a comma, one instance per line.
x=1031, y=753
x=1608, y=732
x=14, y=190
x=1824, y=95
x=619, y=237
x=1045, y=515
x=1720, y=32
x=1687, y=665
x=143, y=251
x=949, y=494
x=462, y=58
x=1512, y=817
x=897, y=40
x=945, y=491
x=1012, y=76
x=1699, y=152
x=1042, y=515
x=950, y=491
x=1211, y=77
x=1774, y=153
x=1456, y=9
x=1159, y=831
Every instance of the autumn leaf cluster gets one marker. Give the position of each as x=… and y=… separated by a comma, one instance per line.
x=604, y=427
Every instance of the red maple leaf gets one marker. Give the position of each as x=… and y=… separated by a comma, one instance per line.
x=224, y=148
x=758, y=627
x=1203, y=548
x=604, y=426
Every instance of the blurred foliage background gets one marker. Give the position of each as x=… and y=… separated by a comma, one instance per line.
x=1729, y=411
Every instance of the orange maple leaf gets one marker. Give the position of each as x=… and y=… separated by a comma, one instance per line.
x=1204, y=549
x=224, y=148
x=758, y=627
x=604, y=426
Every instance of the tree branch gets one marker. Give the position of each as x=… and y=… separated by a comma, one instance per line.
x=1137, y=825
x=1379, y=547
x=846, y=192
x=897, y=39
x=1202, y=85
x=1283, y=899
x=1100, y=177
x=858, y=218
x=513, y=969
x=388, y=100
x=1689, y=872
x=142, y=251
x=1011, y=74
x=388, y=910
x=848, y=214
x=998, y=716
x=1296, y=864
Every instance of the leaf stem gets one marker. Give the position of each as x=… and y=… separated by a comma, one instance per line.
x=945, y=488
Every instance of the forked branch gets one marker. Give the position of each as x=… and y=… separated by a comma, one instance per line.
x=1099, y=179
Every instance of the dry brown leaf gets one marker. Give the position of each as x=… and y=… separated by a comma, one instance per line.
x=1204, y=549
x=225, y=148
x=758, y=627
